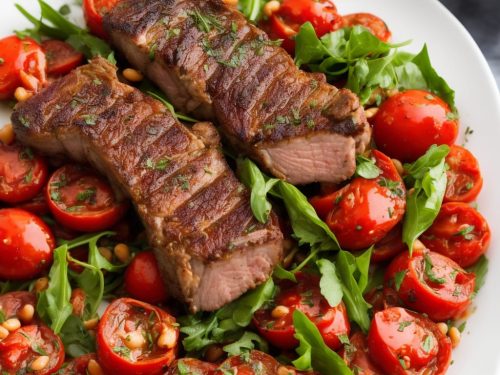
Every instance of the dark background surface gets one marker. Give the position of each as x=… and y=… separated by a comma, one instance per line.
x=482, y=19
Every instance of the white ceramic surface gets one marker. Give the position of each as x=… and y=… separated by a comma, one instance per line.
x=457, y=57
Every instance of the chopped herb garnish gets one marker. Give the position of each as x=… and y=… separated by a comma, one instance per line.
x=160, y=165
x=90, y=119
x=429, y=271
x=24, y=122
x=402, y=363
x=152, y=51
x=428, y=344
x=205, y=22
x=123, y=351
x=97, y=81
x=29, y=176
x=466, y=232
x=403, y=325
x=87, y=195
x=393, y=186
x=26, y=154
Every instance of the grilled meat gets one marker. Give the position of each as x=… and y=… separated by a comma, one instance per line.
x=210, y=61
x=197, y=215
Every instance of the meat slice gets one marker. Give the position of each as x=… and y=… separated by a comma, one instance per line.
x=197, y=214
x=213, y=63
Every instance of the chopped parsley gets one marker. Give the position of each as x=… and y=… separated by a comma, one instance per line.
x=88, y=195
x=152, y=51
x=122, y=351
x=90, y=119
x=29, y=176
x=24, y=122
x=428, y=344
x=160, y=165
x=466, y=232
x=429, y=271
x=205, y=22
x=403, y=325
x=393, y=186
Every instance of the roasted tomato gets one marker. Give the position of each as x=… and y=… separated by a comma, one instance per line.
x=78, y=366
x=11, y=303
x=191, y=366
x=82, y=200
x=410, y=122
x=364, y=211
x=382, y=298
x=94, y=11
x=136, y=338
x=464, y=176
x=255, y=363
x=460, y=232
x=389, y=246
x=373, y=23
x=432, y=284
x=22, y=173
x=403, y=342
x=356, y=356
x=27, y=245
x=20, y=350
x=22, y=63
x=143, y=280
x=286, y=21
x=61, y=57
x=275, y=324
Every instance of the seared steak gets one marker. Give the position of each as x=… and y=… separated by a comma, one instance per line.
x=197, y=215
x=210, y=61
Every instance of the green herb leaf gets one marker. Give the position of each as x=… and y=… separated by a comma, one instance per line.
x=161, y=97
x=366, y=168
x=252, y=9
x=398, y=279
x=245, y=343
x=429, y=271
x=330, y=285
x=480, y=269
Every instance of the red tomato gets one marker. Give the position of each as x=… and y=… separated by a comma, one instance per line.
x=94, y=11
x=22, y=63
x=77, y=366
x=432, y=284
x=256, y=363
x=125, y=317
x=403, y=343
x=37, y=205
x=410, y=122
x=292, y=14
x=382, y=298
x=21, y=347
x=61, y=57
x=390, y=246
x=143, y=280
x=82, y=200
x=373, y=23
x=364, y=211
x=191, y=366
x=77, y=301
x=27, y=245
x=460, y=232
x=22, y=173
x=356, y=356
x=305, y=296
x=464, y=176
x=11, y=303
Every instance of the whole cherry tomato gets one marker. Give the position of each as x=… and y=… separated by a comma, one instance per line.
x=77, y=366
x=27, y=245
x=464, y=176
x=357, y=358
x=61, y=57
x=127, y=320
x=410, y=122
x=460, y=232
x=94, y=11
x=373, y=23
x=305, y=296
x=403, y=343
x=22, y=63
x=22, y=173
x=82, y=200
x=143, y=280
x=432, y=284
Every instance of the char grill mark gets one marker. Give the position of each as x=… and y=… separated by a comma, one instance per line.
x=196, y=213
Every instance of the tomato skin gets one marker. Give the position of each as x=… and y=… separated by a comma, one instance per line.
x=257, y=363
x=305, y=296
x=27, y=246
x=357, y=357
x=373, y=23
x=109, y=336
x=194, y=366
x=68, y=188
x=77, y=366
x=440, y=301
x=61, y=57
x=396, y=333
x=94, y=11
x=464, y=176
x=408, y=123
x=22, y=173
x=365, y=210
x=16, y=353
x=12, y=302
x=143, y=280
x=444, y=236
x=389, y=246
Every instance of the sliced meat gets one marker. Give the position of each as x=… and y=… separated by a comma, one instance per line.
x=212, y=62
x=197, y=215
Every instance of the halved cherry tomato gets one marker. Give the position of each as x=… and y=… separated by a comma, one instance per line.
x=24, y=345
x=94, y=11
x=382, y=298
x=82, y=200
x=143, y=280
x=255, y=363
x=11, y=303
x=305, y=296
x=22, y=173
x=292, y=14
x=389, y=246
x=410, y=122
x=460, y=232
x=464, y=176
x=61, y=57
x=38, y=205
x=403, y=343
x=364, y=211
x=191, y=366
x=27, y=245
x=125, y=317
x=356, y=356
x=432, y=284
x=77, y=366
x=373, y=23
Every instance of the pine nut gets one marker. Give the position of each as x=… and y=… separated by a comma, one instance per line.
x=40, y=363
x=282, y=370
x=370, y=112
x=133, y=75
x=106, y=253
x=21, y=94
x=7, y=134
x=26, y=313
x=214, y=353
x=455, y=336
x=399, y=166
x=443, y=327
x=90, y=324
x=271, y=7
x=279, y=312
x=122, y=252
x=94, y=368
x=167, y=339
x=134, y=340
x=11, y=324
x=41, y=284
x=3, y=333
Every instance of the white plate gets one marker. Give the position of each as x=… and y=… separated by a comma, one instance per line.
x=457, y=57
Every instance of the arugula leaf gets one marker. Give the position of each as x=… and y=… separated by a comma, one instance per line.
x=313, y=351
x=428, y=178
x=247, y=342
x=76, y=339
x=366, y=168
x=252, y=9
x=330, y=285
x=480, y=269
